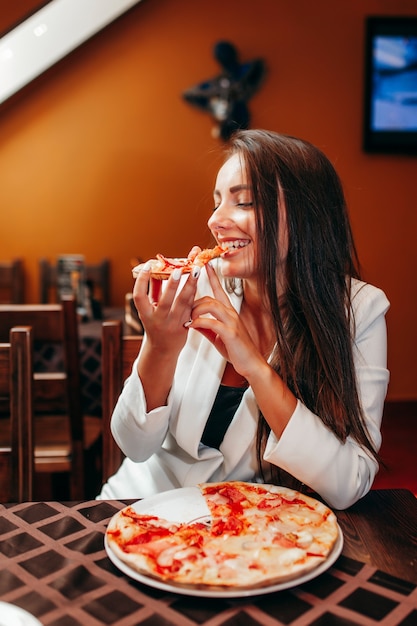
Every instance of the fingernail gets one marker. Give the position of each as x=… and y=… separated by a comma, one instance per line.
x=146, y=267
x=187, y=324
x=196, y=271
x=176, y=274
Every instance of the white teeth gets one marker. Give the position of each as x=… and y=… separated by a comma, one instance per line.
x=238, y=243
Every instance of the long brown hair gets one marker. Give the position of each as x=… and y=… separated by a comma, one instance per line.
x=313, y=320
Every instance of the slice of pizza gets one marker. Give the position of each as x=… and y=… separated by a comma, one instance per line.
x=162, y=266
x=155, y=546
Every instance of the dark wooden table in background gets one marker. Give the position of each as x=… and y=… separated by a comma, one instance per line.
x=381, y=529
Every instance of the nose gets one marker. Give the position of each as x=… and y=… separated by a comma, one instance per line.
x=219, y=220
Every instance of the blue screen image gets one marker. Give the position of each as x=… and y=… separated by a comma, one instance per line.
x=394, y=84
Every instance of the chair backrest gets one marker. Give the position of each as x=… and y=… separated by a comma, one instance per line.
x=118, y=353
x=55, y=327
x=16, y=389
x=98, y=274
x=12, y=281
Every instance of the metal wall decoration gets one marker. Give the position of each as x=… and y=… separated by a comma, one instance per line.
x=225, y=96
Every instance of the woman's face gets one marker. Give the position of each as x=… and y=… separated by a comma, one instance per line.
x=233, y=220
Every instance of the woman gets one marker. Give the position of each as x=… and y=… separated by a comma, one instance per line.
x=270, y=364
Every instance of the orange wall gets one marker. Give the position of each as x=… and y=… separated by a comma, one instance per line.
x=102, y=156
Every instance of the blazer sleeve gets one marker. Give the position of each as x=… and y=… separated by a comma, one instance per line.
x=138, y=433
x=342, y=472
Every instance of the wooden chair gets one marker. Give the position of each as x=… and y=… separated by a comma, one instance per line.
x=98, y=274
x=59, y=425
x=118, y=354
x=16, y=393
x=12, y=281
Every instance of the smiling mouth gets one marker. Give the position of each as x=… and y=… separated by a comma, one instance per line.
x=234, y=245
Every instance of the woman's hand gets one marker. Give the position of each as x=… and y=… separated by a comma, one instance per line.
x=164, y=312
x=229, y=334
x=225, y=328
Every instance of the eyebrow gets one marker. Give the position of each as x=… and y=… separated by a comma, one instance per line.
x=234, y=189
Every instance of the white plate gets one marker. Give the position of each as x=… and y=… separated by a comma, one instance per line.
x=186, y=505
x=11, y=615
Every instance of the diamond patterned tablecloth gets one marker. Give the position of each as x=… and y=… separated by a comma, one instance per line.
x=53, y=564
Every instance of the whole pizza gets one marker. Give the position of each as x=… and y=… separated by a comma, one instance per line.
x=255, y=535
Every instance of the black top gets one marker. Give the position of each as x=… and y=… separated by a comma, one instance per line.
x=222, y=412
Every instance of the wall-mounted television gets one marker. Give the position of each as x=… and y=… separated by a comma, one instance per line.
x=390, y=120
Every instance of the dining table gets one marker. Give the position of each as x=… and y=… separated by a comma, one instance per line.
x=54, y=564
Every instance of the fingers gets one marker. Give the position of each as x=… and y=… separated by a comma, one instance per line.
x=208, y=312
x=193, y=253
x=188, y=288
x=216, y=286
x=184, y=299
x=141, y=286
x=170, y=289
x=165, y=301
x=208, y=334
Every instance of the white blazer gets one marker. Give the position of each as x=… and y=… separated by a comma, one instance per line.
x=164, y=450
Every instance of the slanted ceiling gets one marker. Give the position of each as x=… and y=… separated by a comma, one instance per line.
x=49, y=34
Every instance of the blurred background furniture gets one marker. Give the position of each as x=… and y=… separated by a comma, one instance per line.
x=132, y=320
x=62, y=434
x=97, y=276
x=90, y=333
x=16, y=416
x=118, y=354
x=12, y=279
